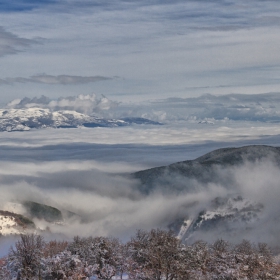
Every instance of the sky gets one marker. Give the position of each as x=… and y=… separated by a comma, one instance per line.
x=138, y=50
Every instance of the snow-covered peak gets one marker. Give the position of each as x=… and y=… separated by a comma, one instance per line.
x=27, y=118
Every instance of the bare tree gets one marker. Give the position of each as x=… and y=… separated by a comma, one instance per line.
x=105, y=258
x=155, y=255
x=54, y=247
x=98, y=252
x=26, y=256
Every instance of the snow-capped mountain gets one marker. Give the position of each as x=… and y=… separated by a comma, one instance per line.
x=28, y=118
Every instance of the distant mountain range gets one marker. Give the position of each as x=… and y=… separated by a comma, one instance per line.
x=37, y=118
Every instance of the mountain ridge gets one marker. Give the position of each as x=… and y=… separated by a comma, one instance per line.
x=204, y=168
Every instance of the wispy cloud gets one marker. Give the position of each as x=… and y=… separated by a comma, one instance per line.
x=55, y=80
x=12, y=44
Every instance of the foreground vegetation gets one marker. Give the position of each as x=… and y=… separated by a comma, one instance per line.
x=154, y=255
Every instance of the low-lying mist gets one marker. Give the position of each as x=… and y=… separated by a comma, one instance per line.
x=108, y=202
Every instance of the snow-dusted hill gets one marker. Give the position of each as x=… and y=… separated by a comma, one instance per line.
x=28, y=118
x=12, y=223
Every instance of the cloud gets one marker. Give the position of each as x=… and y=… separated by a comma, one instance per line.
x=108, y=204
x=55, y=80
x=86, y=104
x=12, y=44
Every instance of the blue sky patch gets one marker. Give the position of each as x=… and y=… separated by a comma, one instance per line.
x=22, y=5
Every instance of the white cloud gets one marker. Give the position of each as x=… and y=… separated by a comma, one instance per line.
x=86, y=104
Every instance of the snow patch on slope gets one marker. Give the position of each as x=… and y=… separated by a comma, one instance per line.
x=9, y=226
x=184, y=228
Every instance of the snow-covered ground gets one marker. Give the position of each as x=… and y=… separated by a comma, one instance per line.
x=8, y=225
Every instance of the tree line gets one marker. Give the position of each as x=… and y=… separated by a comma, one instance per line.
x=149, y=255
